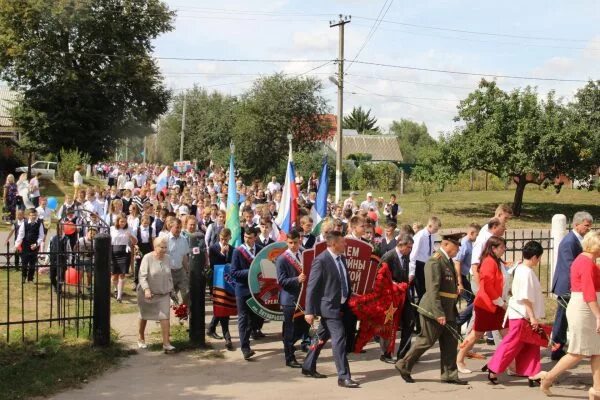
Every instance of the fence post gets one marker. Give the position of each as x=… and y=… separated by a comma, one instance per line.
x=401, y=181
x=101, y=319
x=197, y=289
x=558, y=232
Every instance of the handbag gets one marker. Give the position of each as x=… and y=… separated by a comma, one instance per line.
x=539, y=336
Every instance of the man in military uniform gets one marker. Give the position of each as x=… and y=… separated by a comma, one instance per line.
x=438, y=313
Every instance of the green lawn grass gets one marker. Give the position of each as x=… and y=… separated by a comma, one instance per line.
x=53, y=363
x=458, y=209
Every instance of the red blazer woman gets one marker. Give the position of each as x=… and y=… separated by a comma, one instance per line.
x=491, y=282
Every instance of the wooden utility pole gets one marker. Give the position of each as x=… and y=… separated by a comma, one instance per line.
x=344, y=19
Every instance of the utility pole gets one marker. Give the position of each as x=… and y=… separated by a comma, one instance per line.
x=126, y=149
x=182, y=127
x=144, y=155
x=344, y=19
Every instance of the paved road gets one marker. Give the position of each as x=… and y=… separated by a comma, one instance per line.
x=153, y=375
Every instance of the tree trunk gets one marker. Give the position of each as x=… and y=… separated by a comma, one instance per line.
x=518, y=200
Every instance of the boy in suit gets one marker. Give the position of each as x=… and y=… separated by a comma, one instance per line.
x=308, y=239
x=290, y=277
x=219, y=254
x=30, y=239
x=328, y=291
x=240, y=264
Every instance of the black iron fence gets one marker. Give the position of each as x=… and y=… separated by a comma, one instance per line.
x=51, y=290
x=516, y=239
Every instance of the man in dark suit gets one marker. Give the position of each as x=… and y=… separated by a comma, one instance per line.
x=266, y=226
x=220, y=253
x=329, y=288
x=290, y=277
x=568, y=249
x=240, y=264
x=398, y=260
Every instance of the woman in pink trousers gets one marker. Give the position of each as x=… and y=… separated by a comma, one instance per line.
x=525, y=307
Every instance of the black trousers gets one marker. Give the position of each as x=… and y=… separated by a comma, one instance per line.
x=420, y=279
x=29, y=260
x=292, y=330
x=330, y=328
x=247, y=320
x=224, y=322
x=349, y=320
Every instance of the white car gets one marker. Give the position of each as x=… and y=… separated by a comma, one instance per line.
x=46, y=168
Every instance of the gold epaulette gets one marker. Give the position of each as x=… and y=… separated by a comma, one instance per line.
x=436, y=255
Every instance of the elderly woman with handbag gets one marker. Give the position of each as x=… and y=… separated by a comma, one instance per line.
x=525, y=309
x=583, y=316
x=153, y=292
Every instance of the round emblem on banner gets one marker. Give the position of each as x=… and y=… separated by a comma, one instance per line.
x=262, y=281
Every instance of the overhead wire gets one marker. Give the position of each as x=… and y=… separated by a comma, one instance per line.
x=376, y=24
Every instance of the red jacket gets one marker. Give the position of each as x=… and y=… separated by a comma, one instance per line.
x=491, y=282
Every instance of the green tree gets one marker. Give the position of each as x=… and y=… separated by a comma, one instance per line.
x=515, y=135
x=362, y=121
x=412, y=138
x=84, y=69
x=209, y=122
x=275, y=106
x=437, y=165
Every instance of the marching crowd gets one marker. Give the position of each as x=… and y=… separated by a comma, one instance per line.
x=150, y=227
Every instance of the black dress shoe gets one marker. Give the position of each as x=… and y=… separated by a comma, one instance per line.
x=313, y=374
x=258, y=335
x=456, y=382
x=348, y=383
x=386, y=358
x=293, y=364
x=404, y=374
x=213, y=335
x=248, y=354
x=228, y=345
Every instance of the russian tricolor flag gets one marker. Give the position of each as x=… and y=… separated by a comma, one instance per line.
x=288, y=208
x=161, y=180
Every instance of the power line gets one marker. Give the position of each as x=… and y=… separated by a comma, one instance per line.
x=371, y=33
x=477, y=32
x=412, y=82
x=533, y=78
x=487, y=41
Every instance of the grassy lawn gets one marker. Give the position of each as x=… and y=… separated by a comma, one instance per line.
x=53, y=363
x=37, y=301
x=458, y=209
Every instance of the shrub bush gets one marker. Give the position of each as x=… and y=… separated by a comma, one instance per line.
x=69, y=160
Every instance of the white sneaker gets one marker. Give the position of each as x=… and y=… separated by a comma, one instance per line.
x=168, y=348
x=142, y=344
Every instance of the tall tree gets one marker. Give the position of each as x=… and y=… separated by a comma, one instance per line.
x=209, y=121
x=515, y=135
x=362, y=121
x=84, y=68
x=413, y=138
x=275, y=106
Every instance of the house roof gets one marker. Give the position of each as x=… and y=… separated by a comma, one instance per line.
x=381, y=147
x=7, y=102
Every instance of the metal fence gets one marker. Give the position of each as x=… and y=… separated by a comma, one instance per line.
x=48, y=291
x=516, y=239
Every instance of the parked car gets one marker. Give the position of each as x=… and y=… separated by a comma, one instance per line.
x=46, y=168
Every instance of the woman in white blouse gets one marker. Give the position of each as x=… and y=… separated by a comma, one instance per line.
x=122, y=242
x=525, y=309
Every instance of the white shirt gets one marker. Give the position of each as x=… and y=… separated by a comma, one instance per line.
x=482, y=238
x=145, y=234
x=367, y=205
x=44, y=213
x=77, y=179
x=525, y=286
x=129, y=185
x=34, y=187
x=274, y=187
x=422, y=249
x=133, y=223
x=119, y=237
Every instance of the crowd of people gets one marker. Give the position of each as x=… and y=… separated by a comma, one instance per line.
x=150, y=228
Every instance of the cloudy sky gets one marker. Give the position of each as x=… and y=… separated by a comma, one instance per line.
x=527, y=39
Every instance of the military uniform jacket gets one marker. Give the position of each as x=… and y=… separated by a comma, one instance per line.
x=441, y=288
